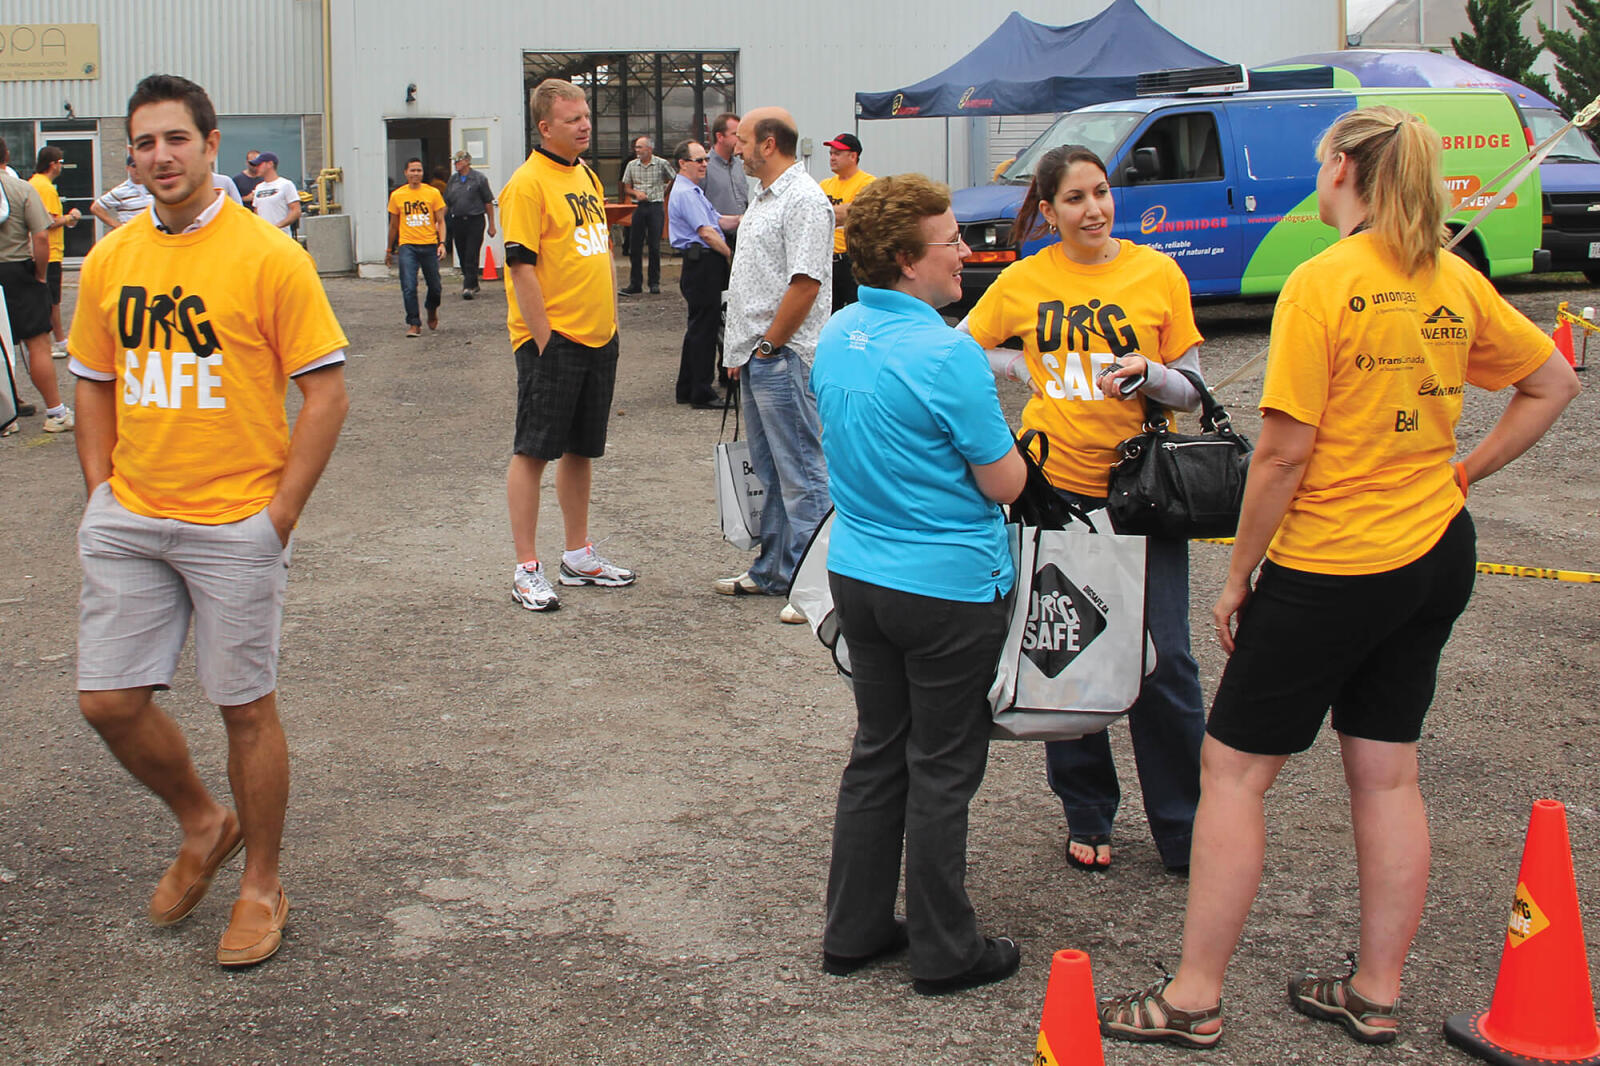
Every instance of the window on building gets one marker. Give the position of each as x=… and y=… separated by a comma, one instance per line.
x=279, y=134
x=665, y=95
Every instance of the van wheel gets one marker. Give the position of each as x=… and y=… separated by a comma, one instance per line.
x=1469, y=251
x=1592, y=275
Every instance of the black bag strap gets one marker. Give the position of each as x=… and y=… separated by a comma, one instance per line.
x=730, y=399
x=1213, y=416
x=1039, y=504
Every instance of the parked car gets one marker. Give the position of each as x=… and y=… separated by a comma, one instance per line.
x=1226, y=183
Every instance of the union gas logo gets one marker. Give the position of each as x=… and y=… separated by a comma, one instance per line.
x=1358, y=304
x=1063, y=620
x=1431, y=386
x=1153, y=217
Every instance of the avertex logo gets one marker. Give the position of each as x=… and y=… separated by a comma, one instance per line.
x=1443, y=324
x=1063, y=620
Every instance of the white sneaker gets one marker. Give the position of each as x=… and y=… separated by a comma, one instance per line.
x=58, y=350
x=61, y=423
x=532, y=590
x=595, y=569
x=741, y=585
x=792, y=615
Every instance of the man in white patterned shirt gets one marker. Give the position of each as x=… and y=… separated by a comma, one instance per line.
x=778, y=301
x=122, y=203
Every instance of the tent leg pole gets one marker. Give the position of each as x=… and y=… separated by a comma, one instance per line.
x=947, y=149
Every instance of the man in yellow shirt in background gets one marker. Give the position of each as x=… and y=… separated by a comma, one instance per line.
x=45, y=173
x=844, y=159
x=416, y=231
x=191, y=321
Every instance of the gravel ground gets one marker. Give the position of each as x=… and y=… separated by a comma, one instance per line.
x=601, y=835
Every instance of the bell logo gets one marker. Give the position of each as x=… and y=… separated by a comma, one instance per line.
x=1062, y=622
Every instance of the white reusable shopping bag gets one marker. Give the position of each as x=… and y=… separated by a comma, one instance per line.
x=810, y=594
x=740, y=494
x=1076, y=651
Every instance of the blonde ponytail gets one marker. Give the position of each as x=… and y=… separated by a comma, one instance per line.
x=1397, y=168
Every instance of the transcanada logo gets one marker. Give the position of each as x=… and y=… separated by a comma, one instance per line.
x=1063, y=620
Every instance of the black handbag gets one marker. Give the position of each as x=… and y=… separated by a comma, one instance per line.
x=1176, y=485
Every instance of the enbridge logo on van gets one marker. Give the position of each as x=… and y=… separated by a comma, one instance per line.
x=1154, y=220
x=1063, y=620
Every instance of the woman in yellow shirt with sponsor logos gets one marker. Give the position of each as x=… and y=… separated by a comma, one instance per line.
x=1370, y=558
x=1097, y=316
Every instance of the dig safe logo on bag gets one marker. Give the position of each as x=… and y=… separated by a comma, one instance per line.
x=1063, y=620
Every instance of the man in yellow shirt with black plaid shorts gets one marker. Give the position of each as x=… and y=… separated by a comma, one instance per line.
x=191, y=320
x=562, y=316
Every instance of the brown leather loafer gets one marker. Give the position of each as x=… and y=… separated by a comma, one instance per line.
x=186, y=881
x=254, y=932
x=433, y=319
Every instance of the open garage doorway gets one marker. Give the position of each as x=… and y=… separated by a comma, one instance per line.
x=427, y=139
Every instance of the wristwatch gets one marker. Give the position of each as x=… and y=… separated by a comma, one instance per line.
x=764, y=348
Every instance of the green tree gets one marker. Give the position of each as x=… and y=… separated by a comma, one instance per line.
x=1577, y=58
x=1498, y=44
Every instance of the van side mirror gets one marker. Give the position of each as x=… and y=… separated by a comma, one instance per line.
x=1146, y=165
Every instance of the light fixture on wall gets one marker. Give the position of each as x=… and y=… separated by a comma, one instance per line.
x=66, y=105
x=411, y=93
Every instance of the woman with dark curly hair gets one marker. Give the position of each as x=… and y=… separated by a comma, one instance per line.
x=919, y=460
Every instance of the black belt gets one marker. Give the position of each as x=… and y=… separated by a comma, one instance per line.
x=841, y=257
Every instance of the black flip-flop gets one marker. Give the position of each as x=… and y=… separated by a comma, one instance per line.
x=1095, y=841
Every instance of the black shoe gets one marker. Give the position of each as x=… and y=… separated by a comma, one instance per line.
x=999, y=960
x=706, y=405
x=844, y=965
x=27, y=409
x=655, y=290
x=630, y=292
x=467, y=294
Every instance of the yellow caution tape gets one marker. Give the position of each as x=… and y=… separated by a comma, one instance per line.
x=1582, y=577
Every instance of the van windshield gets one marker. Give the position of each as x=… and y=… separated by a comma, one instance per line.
x=1099, y=131
x=1573, y=148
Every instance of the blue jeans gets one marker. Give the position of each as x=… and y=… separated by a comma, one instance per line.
x=786, y=451
x=413, y=256
x=1167, y=722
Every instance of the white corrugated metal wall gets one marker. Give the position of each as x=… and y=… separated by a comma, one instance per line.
x=258, y=58
x=467, y=61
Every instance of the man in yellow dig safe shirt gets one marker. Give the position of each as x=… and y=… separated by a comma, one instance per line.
x=191, y=320
x=416, y=231
x=45, y=172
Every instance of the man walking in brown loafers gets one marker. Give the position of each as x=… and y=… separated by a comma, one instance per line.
x=191, y=321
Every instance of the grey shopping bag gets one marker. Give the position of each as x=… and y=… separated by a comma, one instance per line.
x=740, y=494
x=1076, y=651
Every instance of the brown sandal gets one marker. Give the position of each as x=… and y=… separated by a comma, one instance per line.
x=1332, y=999
x=1146, y=1016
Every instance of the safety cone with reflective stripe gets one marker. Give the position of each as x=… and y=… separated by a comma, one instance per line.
x=489, y=272
x=1563, y=338
x=1543, y=1007
x=1069, y=1031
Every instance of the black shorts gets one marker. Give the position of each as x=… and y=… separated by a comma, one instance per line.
x=52, y=278
x=564, y=398
x=1366, y=644
x=27, y=300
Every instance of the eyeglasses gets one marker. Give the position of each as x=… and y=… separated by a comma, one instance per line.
x=697, y=159
x=944, y=244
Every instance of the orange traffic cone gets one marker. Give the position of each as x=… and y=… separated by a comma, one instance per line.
x=1543, y=1006
x=1563, y=338
x=491, y=274
x=1069, y=1031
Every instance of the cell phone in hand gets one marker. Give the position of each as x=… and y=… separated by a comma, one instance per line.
x=1127, y=386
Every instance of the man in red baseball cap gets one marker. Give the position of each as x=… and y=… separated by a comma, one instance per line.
x=844, y=159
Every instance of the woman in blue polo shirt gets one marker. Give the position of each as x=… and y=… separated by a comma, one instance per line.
x=919, y=458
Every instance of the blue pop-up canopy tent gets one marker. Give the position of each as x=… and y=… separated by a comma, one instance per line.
x=1028, y=68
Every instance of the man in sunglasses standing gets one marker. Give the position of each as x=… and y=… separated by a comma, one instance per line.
x=698, y=231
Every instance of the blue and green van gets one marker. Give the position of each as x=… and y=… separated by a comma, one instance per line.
x=1226, y=183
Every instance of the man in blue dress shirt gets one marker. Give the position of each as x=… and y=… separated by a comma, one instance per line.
x=697, y=231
